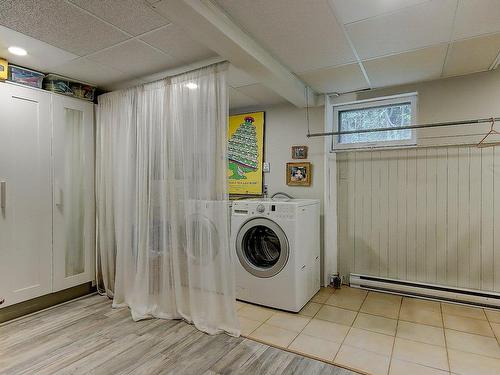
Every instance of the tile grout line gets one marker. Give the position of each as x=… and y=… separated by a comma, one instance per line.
x=491, y=327
x=311, y=319
x=351, y=326
x=445, y=339
x=395, y=335
x=347, y=334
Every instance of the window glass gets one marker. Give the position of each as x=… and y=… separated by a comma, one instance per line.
x=388, y=116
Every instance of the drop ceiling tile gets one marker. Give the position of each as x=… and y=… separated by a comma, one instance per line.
x=261, y=94
x=304, y=35
x=174, y=41
x=238, y=77
x=134, y=58
x=88, y=71
x=472, y=55
x=133, y=16
x=60, y=24
x=421, y=65
x=41, y=56
x=239, y=100
x=477, y=17
x=420, y=26
x=337, y=79
x=356, y=10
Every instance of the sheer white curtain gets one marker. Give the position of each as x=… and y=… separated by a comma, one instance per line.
x=162, y=201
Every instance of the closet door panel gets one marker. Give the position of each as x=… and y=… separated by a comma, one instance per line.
x=73, y=208
x=5, y=282
x=26, y=245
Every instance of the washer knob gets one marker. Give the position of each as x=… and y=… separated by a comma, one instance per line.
x=261, y=208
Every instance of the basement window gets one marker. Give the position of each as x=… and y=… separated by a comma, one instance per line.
x=388, y=112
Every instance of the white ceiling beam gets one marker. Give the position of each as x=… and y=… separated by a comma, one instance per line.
x=206, y=22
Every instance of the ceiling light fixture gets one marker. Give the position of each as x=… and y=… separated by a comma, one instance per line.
x=191, y=85
x=17, y=51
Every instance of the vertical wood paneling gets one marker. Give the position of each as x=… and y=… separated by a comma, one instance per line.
x=463, y=216
x=384, y=215
x=375, y=212
x=342, y=213
x=452, y=212
x=425, y=214
x=421, y=213
x=441, y=213
x=411, y=211
x=402, y=202
x=496, y=218
x=487, y=219
x=431, y=196
x=393, y=213
x=367, y=211
x=475, y=218
x=359, y=248
x=351, y=173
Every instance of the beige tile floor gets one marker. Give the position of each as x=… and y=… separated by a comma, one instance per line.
x=377, y=333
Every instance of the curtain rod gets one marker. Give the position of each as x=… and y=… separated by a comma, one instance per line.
x=420, y=126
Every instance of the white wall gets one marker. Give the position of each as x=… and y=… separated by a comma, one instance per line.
x=457, y=98
x=286, y=126
x=427, y=214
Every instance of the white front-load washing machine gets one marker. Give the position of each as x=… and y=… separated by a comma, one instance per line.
x=277, y=244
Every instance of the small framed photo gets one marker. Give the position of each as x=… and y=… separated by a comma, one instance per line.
x=299, y=152
x=298, y=174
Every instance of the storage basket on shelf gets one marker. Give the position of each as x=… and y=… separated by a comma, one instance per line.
x=25, y=76
x=66, y=86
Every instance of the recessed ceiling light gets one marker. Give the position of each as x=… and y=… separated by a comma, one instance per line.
x=17, y=51
x=191, y=85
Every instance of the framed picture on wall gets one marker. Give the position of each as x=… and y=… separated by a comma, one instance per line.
x=245, y=152
x=298, y=174
x=299, y=152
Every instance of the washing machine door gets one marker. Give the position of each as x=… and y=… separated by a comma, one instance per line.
x=262, y=247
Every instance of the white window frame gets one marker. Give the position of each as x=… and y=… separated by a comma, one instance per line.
x=370, y=103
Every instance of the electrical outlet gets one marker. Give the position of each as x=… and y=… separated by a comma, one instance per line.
x=266, y=167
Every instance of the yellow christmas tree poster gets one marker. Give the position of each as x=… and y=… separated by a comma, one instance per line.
x=245, y=153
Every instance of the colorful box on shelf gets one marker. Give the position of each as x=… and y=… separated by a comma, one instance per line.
x=66, y=86
x=3, y=69
x=25, y=76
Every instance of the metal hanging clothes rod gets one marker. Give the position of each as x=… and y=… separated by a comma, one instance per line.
x=420, y=126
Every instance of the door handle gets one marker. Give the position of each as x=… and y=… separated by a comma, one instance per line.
x=3, y=194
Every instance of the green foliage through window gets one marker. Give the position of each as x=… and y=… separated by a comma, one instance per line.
x=389, y=116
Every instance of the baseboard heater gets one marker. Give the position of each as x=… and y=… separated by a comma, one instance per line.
x=424, y=290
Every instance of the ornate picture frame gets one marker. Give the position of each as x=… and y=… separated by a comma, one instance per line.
x=298, y=174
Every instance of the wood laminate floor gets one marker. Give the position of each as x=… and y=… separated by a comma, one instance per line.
x=87, y=336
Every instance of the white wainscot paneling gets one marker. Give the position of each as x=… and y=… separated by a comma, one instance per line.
x=427, y=214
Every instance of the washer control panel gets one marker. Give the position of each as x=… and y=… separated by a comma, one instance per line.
x=266, y=209
x=283, y=211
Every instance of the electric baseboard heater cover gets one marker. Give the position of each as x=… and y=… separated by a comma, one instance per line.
x=428, y=291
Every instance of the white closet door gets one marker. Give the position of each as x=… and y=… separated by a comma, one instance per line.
x=25, y=219
x=73, y=208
